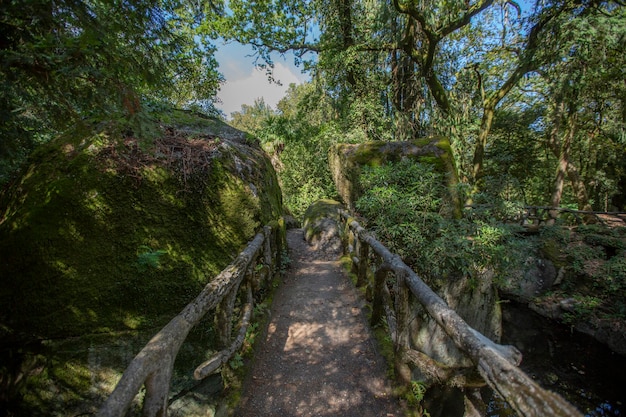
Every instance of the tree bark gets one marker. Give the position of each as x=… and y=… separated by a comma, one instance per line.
x=566, y=167
x=345, y=23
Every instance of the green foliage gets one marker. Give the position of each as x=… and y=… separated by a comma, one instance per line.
x=584, y=306
x=515, y=159
x=614, y=272
x=300, y=148
x=251, y=333
x=236, y=362
x=400, y=70
x=67, y=61
x=416, y=395
x=584, y=126
x=148, y=258
x=402, y=204
x=285, y=261
x=252, y=118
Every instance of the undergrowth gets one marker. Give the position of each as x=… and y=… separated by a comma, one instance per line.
x=592, y=259
x=404, y=205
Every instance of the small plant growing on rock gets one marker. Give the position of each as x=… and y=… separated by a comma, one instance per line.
x=149, y=258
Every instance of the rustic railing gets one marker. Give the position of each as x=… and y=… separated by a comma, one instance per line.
x=536, y=216
x=497, y=364
x=153, y=366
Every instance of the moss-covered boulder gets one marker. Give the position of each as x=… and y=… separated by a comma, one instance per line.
x=347, y=160
x=110, y=233
x=322, y=226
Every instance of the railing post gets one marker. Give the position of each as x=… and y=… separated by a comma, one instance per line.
x=402, y=325
x=267, y=253
x=362, y=254
x=350, y=238
x=157, y=390
x=153, y=365
x=224, y=318
x=380, y=280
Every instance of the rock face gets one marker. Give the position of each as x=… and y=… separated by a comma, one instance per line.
x=476, y=301
x=347, y=160
x=577, y=277
x=109, y=232
x=322, y=226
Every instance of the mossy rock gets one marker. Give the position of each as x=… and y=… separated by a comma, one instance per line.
x=108, y=233
x=347, y=160
x=552, y=250
x=322, y=226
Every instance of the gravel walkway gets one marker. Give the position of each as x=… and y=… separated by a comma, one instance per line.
x=318, y=357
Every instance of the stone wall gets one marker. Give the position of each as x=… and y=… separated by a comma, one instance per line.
x=347, y=160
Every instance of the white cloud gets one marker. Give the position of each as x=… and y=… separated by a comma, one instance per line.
x=244, y=90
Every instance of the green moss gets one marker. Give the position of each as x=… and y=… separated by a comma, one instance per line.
x=431, y=160
x=100, y=237
x=349, y=159
x=551, y=250
x=444, y=145
x=368, y=154
x=322, y=208
x=192, y=121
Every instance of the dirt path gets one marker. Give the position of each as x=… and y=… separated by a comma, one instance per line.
x=318, y=357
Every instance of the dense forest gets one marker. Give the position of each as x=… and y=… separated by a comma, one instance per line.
x=530, y=95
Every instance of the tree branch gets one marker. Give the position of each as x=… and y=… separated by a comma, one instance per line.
x=464, y=20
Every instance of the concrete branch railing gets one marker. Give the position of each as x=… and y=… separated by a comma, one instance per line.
x=497, y=364
x=154, y=364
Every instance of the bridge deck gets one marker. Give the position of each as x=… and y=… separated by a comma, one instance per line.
x=318, y=357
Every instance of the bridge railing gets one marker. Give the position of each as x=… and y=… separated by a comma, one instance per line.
x=153, y=366
x=497, y=364
x=536, y=216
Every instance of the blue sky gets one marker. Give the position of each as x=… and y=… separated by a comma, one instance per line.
x=245, y=83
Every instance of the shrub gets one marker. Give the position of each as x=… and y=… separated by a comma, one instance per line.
x=403, y=202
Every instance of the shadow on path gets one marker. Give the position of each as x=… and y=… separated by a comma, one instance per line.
x=318, y=357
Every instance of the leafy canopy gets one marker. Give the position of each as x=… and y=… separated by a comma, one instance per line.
x=68, y=60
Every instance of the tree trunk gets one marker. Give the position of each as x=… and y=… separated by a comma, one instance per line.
x=481, y=143
x=580, y=189
x=562, y=152
x=345, y=22
x=489, y=111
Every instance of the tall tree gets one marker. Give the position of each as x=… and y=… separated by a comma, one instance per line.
x=252, y=118
x=586, y=95
x=427, y=67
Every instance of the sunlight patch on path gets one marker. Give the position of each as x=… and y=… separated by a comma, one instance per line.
x=318, y=357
